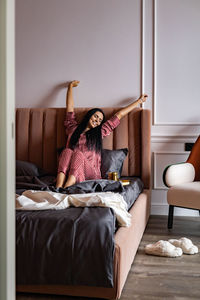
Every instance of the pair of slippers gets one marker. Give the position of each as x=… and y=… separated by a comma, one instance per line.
x=172, y=248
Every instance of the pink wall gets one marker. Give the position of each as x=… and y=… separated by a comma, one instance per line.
x=94, y=41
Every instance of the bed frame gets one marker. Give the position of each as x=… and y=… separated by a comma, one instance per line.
x=40, y=133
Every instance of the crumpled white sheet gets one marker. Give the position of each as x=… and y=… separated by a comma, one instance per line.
x=40, y=200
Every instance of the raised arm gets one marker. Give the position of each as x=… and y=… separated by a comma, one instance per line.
x=69, y=96
x=125, y=110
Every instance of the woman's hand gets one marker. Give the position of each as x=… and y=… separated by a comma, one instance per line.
x=142, y=98
x=127, y=109
x=69, y=96
x=74, y=83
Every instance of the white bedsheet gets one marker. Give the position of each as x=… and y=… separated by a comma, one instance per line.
x=40, y=200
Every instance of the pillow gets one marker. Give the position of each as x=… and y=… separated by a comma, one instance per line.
x=26, y=168
x=112, y=161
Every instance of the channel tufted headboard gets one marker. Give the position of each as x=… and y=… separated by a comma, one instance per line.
x=40, y=133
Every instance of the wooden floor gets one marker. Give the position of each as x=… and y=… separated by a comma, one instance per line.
x=153, y=277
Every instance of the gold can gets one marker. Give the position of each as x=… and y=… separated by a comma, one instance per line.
x=115, y=176
x=110, y=176
x=125, y=182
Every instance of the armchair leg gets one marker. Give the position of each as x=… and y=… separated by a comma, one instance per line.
x=170, y=216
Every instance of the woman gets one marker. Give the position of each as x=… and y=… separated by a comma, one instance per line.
x=81, y=159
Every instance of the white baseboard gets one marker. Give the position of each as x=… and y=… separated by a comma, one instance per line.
x=160, y=209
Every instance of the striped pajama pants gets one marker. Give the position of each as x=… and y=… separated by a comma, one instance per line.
x=74, y=162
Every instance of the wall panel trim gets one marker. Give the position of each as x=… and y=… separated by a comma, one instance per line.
x=155, y=63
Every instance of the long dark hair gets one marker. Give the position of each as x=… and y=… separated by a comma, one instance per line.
x=93, y=136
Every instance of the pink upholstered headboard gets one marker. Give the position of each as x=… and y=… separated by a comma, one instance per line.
x=40, y=132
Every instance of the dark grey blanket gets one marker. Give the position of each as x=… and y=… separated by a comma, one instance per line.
x=46, y=183
x=74, y=246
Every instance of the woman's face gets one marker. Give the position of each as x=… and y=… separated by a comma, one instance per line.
x=95, y=119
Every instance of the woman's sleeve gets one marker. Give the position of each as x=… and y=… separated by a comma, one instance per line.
x=109, y=126
x=70, y=122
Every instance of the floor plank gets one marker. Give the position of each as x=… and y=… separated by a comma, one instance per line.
x=154, y=277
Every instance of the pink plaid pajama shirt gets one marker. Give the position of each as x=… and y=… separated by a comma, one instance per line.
x=84, y=164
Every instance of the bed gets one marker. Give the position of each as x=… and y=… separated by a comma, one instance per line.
x=39, y=135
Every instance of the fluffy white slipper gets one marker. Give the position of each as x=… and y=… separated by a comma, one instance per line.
x=163, y=248
x=185, y=244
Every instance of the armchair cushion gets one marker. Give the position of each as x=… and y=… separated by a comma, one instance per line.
x=178, y=173
x=185, y=195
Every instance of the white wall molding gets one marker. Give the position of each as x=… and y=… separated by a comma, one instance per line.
x=146, y=51
x=157, y=26
x=173, y=139
x=154, y=65
x=142, y=45
x=159, y=209
x=162, y=209
x=175, y=131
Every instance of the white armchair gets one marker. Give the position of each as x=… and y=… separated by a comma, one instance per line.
x=183, y=181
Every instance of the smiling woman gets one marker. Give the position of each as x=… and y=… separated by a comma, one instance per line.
x=81, y=159
x=95, y=119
